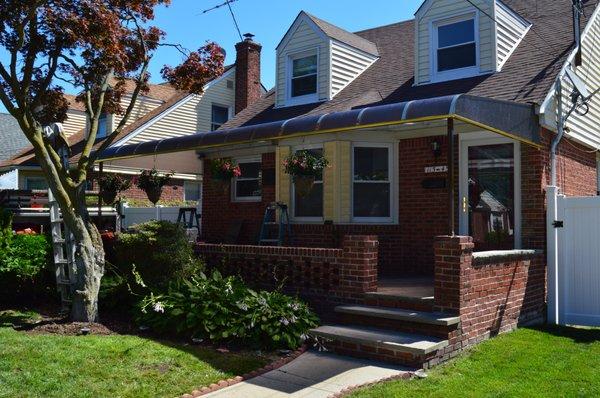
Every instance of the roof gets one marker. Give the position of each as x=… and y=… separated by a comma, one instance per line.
x=526, y=77
x=13, y=139
x=344, y=36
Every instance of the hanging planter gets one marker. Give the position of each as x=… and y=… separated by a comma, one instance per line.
x=305, y=167
x=222, y=171
x=152, y=183
x=110, y=185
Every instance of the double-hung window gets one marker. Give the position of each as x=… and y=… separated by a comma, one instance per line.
x=248, y=186
x=310, y=207
x=192, y=191
x=372, y=183
x=303, y=76
x=220, y=115
x=455, y=47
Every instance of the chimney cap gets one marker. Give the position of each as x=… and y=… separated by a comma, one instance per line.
x=248, y=36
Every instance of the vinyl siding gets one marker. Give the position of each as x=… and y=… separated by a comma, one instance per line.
x=76, y=120
x=282, y=180
x=346, y=65
x=441, y=9
x=142, y=106
x=586, y=129
x=303, y=38
x=511, y=30
x=191, y=117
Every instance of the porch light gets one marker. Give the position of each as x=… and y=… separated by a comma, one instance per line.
x=436, y=148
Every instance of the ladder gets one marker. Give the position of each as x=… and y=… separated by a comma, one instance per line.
x=276, y=214
x=62, y=247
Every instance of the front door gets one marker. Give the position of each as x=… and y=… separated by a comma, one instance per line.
x=489, y=201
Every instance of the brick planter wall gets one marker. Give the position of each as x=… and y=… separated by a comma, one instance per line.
x=492, y=292
x=324, y=277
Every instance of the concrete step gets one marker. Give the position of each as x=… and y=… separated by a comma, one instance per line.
x=430, y=318
x=384, y=299
x=416, y=345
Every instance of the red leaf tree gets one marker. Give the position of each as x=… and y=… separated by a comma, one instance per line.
x=97, y=46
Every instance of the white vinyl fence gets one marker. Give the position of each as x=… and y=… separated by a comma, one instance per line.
x=574, y=281
x=136, y=215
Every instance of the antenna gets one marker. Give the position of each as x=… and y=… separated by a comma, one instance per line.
x=577, y=12
x=228, y=4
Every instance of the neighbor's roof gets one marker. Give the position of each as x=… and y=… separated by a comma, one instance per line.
x=13, y=139
x=344, y=36
x=526, y=77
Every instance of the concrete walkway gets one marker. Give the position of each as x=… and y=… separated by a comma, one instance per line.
x=311, y=375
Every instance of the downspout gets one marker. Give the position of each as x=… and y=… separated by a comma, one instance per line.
x=560, y=129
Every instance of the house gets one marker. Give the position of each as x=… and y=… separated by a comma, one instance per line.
x=13, y=141
x=162, y=112
x=427, y=232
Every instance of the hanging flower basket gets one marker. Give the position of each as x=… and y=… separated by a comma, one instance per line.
x=303, y=185
x=110, y=185
x=222, y=171
x=108, y=196
x=152, y=183
x=305, y=167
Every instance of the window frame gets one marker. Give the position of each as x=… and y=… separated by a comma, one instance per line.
x=307, y=98
x=234, y=180
x=301, y=219
x=392, y=180
x=26, y=182
x=186, y=182
x=459, y=73
x=229, y=114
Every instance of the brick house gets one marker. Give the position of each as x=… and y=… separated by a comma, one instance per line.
x=427, y=232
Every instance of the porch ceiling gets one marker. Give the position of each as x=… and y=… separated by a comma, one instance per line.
x=511, y=119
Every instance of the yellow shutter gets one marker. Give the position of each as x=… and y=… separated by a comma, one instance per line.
x=336, y=182
x=282, y=180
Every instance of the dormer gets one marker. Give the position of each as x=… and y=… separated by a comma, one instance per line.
x=456, y=39
x=316, y=60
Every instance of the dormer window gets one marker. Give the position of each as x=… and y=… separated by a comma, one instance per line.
x=302, y=84
x=455, y=52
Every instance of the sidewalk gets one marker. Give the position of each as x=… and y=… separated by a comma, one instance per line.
x=311, y=375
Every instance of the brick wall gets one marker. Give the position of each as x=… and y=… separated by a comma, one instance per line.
x=490, y=293
x=325, y=277
x=173, y=191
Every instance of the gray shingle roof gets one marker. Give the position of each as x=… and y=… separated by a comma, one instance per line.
x=526, y=77
x=12, y=138
x=344, y=36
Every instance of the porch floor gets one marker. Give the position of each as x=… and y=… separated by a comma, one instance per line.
x=416, y=287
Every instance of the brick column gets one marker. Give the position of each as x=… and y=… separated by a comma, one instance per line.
x=453, y=258
x=359, y=263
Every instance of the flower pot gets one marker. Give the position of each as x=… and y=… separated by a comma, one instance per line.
x=154, y=194
x=222, y=185
x=108, y=197
x=304, y=184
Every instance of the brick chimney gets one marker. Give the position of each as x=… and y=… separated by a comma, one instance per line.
x=247, y=73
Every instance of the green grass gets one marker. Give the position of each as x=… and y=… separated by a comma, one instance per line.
x=35, y=365
x=552, y=362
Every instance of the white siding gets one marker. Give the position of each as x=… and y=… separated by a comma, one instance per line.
x=192, y=116
x=303, y=38
x=511, y=30
x=586, y=129
x=142, y=106
x=346, y=65
x=440, y=9
x=76, y=120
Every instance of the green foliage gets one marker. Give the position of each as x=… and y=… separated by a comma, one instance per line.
x=224, y=309
x=6, y=217
x=134, y=202
x=151, y=179
x=224, y=169
x=305, y=163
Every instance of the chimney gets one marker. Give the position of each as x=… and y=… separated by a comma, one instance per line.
x=247, y=73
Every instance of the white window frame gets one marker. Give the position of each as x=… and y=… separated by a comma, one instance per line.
x=229, y=113
x=303, y=99
x=234, y=180
x=27, y=180
x=192, y=182
x=392, y=180
x=293, y=216
x=459, y=73
x=477, y=139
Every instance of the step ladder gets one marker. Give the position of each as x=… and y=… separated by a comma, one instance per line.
x=63, y=249
x=276, y=215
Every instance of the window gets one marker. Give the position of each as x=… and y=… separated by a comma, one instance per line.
x=192, y=191
x=102, y=126
x=372, y=188
x=302, y=85
x=455, y=47
x=35, y=183
x=310, y=207
x=220, y=115
x=248, y=186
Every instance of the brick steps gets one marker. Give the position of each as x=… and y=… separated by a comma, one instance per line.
x=381, y=299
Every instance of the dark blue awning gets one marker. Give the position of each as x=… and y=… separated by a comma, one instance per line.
x=514, y=120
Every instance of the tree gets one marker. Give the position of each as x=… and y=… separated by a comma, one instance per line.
x=95, y=46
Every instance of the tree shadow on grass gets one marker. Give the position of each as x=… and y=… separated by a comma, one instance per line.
x=584, y=335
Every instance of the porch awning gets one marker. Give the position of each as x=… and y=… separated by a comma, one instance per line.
x=514, y=120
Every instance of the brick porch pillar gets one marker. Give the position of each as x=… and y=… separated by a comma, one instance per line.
x=453, y=258
x=360, y=256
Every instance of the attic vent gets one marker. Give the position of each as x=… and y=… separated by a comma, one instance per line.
x=230, y=84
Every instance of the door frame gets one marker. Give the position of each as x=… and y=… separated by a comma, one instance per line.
x=485, y=138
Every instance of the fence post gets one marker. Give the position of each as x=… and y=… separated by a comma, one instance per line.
x=552, y=254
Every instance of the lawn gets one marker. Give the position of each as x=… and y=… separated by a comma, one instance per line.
x=551, y=362
x=42, y=365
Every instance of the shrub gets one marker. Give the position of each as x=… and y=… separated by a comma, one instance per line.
x=224, y=309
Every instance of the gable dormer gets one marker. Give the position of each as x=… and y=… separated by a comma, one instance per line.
x=316, y=60
x=455, y=39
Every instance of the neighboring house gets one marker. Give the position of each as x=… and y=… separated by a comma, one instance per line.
x=162, y=112
x=432, y=126
x=13, y=141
